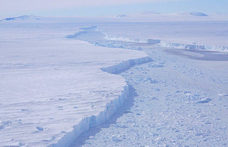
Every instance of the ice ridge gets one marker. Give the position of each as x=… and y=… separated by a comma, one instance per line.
x=115, y=69
x=116, y=38
x=19, y=17
x=89, y=28
x=76, y=34
x=122, y=15
x=198, y=14
x=166, y=44
x=110, y=108
x=85, y=30
x=169, y=45
x=194, y=46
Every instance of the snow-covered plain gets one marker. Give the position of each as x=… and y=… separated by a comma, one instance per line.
x=55, y=85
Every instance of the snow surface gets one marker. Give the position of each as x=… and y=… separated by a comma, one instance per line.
x=53, y=89
x=55, y=85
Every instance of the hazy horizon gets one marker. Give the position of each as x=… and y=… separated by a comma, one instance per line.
x=12, y=8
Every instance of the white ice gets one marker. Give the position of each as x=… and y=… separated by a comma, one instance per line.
x=54, y=88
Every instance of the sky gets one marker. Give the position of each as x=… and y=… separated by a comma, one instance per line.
x=10, y=8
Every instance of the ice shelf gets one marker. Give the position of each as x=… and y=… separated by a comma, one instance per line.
x=111, y=107
x=53, y=88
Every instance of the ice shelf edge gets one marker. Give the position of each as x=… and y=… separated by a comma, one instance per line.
x=111, y=107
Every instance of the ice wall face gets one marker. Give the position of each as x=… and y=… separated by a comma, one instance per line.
x=125, y=65
x=53, y=89
x=193, y=47
x=110, y=107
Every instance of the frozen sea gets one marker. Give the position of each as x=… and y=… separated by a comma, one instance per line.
x=121, y=83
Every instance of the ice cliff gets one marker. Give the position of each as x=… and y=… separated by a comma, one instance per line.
x=110, y=108
x=166, y=44
x=194, y=46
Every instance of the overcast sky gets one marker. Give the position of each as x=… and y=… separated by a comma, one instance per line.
x=10, y=8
